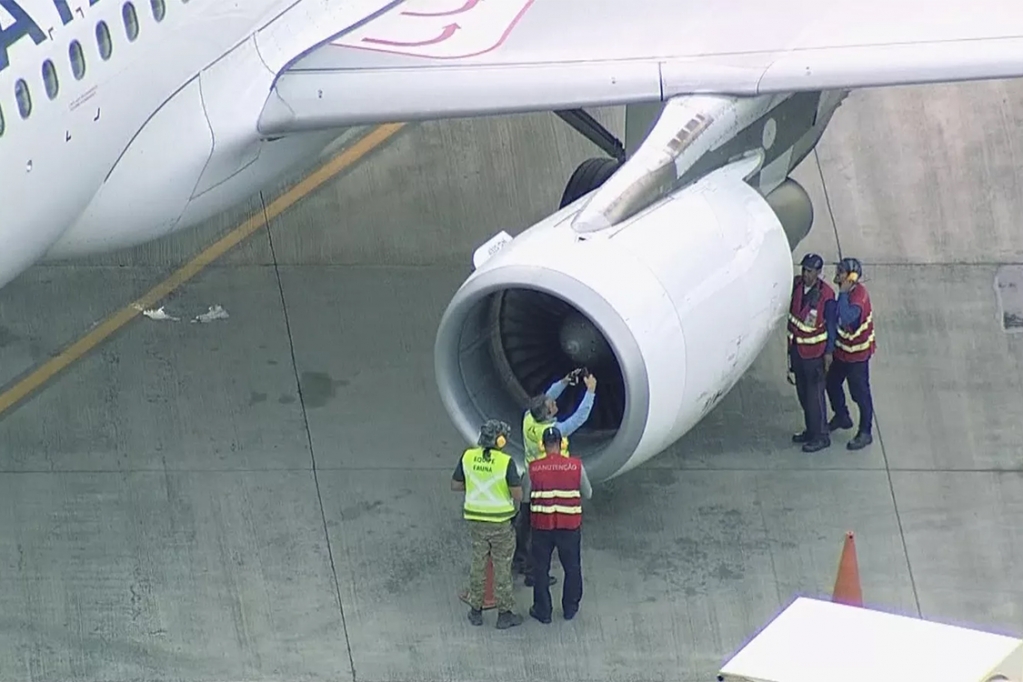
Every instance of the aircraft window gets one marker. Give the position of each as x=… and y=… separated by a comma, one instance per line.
x=106, y=46
x=159, y=9
x=131, y=21
x=77, y=60
x=24, y=98
x=50, y=79
x=2, y=125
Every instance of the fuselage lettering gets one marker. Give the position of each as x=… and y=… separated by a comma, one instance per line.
x=64, y=11
x=23, y=26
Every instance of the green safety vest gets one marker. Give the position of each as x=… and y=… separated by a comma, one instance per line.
x=532, y=438
x=487, y=497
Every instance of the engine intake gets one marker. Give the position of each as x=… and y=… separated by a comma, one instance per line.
x=541, y=338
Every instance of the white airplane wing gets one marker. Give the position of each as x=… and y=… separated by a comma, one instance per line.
x=432, y=59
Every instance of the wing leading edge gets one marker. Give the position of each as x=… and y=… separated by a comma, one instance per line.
x=432, y=59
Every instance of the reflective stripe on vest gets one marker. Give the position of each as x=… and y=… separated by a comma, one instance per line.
x=799, y=331
x=845, y=339
x=859, y=344
x=487, y=497
x=532, y=438
x=555, y=501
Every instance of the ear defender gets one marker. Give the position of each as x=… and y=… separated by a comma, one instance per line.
x=853, y=276
x=564, y=443
x=501, y=442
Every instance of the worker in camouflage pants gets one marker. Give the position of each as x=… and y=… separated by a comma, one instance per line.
x=497, y=540
x=492, y=486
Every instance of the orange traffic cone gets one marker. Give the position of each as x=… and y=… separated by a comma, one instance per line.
x=489, y=601
x=847, y=584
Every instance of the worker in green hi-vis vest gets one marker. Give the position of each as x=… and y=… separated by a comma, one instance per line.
x=542, y=414
x=492, y=486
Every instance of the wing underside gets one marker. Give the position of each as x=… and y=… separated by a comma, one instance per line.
x=432, y=59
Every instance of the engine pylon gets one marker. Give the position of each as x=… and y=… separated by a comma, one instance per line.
x=847, y=584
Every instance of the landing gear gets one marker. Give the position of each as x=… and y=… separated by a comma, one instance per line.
x=591, y=173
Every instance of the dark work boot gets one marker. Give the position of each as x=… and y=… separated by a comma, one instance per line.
x=861, y=441
x=545, y=621
x=476, y=616
x=837, y=422
x=817, y=444
x=801, y=437
x=551, y=581
x=507, y=619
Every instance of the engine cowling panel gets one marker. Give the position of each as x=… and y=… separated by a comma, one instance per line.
x=667, y=309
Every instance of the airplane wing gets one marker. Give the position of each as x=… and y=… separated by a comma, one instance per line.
x=432, y=59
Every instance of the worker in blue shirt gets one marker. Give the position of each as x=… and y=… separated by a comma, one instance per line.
x=854, y=348
x=542, y=414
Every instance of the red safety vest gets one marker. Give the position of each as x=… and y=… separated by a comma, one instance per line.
x=856, y=344
x=555, y=501
x=806, y=324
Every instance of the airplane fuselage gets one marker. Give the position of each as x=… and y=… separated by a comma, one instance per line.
x=124, y=121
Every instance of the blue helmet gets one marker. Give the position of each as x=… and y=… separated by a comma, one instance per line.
x=812, y=261
x=851, y=265
x=552, y=434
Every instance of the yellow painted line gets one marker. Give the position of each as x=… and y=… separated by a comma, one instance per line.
x=311, y=182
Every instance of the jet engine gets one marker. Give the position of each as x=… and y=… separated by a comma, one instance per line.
x=668, y=309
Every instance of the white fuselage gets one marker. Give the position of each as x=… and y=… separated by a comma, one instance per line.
x=158, y=130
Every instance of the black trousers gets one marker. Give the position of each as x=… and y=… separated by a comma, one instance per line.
x=522, y=560
x=858, y=376
x=810, y=383
x=569, y=546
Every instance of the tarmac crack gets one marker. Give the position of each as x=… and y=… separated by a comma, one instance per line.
x=309, y=440
x=827, y=200
x=877, y=424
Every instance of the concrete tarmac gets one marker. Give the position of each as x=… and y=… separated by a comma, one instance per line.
x=265, y=497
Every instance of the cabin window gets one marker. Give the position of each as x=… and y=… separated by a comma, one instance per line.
x=77, y=60
x=50, y=79
x=106, y=46
x=131, y=21
x=159, y=9
x=23, y=97
x=2, y=124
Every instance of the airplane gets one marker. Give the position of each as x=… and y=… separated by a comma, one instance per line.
x=668, y=263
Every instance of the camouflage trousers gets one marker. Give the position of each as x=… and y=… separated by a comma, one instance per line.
x=497, y=540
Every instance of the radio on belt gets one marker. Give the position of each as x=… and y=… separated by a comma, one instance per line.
x=820, y=641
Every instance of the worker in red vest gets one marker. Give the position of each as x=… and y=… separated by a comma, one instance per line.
x=558, y=483
x=854, y=347
x=811, y=334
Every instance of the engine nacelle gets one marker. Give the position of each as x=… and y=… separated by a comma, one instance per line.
x=668, y=310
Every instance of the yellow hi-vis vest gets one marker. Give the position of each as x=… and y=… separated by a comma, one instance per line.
x=532, y=438
x=487, y=497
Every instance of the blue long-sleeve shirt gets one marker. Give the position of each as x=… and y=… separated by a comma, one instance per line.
x=579, y=417
x=848, y=313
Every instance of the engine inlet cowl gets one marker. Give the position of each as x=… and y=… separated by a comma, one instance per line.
x=667, y=310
